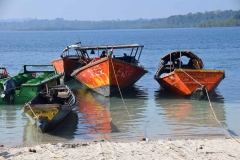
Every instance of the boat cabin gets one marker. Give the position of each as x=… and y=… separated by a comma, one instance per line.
x=179, y=60
x=129, y=53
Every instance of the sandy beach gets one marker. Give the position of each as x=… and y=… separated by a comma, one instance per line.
x=160, y=149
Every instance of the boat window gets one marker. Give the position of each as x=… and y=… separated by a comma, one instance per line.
x=136, y=52
x=77, y=53
x=84, y=54
x=36, y=68
x=184, y=60
x=140, y=53
x=131, y=52
x=70, y=52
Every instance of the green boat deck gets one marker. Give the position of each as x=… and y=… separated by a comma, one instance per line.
x=27, y=85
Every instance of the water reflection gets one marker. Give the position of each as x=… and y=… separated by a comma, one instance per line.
x=93, y=116
x=101, y=116
x=64, y=132
x=134, y=92
x=190, y=118
x=214, y=96
x=11, y=124
x=97, y=118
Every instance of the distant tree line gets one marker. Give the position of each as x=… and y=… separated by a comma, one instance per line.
x=207, y=19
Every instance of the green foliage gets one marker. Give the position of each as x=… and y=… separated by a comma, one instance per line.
x=207, y=19
x=236, y=16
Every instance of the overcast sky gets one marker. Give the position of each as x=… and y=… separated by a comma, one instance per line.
x=96, y=10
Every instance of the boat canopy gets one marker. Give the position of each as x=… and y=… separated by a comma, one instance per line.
x=177, y=54
x=136, y=49
x=120, y=46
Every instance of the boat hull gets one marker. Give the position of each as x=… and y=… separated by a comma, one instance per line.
x=30, y=80
x=50, y=107
x=26, y=92
x=66, y=66
x=186, y=82
x=48, y=125
x=105, y=75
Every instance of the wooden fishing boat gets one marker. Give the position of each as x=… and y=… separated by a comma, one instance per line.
x=182, y=73
x=50, y=107
x=3, y=73
x=108, y=72
x=69, y=60
x=27, y=83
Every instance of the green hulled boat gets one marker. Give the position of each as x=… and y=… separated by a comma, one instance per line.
x=27, y=83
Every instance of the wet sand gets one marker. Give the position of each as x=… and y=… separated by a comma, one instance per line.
x=160, y=149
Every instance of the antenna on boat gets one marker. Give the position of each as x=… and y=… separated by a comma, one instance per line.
x=79, y=42
x=180, y=64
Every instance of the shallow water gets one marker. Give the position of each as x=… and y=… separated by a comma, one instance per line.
x=148, y=111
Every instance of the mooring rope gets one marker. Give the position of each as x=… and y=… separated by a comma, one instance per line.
x=124, y=102
x=213, y=112
x=32, y=110
x=191, y=77
x=218, y=120
x=35, y=116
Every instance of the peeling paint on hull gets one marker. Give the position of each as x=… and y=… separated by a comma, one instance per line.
x=103, y=76
x=180, y=83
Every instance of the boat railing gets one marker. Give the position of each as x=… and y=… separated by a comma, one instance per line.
x=70, y=100
x=43, y=79
x=160, y=69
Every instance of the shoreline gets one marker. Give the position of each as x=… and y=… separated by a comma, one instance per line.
x=221, y=148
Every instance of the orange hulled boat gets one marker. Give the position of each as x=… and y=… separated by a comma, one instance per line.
x=182, y=73
x=69, y=60
x=108, y=72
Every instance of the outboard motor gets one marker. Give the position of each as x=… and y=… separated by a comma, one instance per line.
x=8, y=92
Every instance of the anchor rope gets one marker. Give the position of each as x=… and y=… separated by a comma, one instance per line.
x=213, y=112
x=191, y=77
x=35, y=116
x=32, y=110
x=40, y=130
x=124, y=102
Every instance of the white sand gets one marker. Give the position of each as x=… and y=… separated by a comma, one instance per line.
x=162, y=149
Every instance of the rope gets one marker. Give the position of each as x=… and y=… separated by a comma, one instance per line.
x=41, y=132
x=124, y=102
x=192, y=78
x=35, y=116
x=213, y=112
x=32, y=110
x=218, y=120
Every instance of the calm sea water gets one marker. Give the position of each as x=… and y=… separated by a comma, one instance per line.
x=154, y=114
